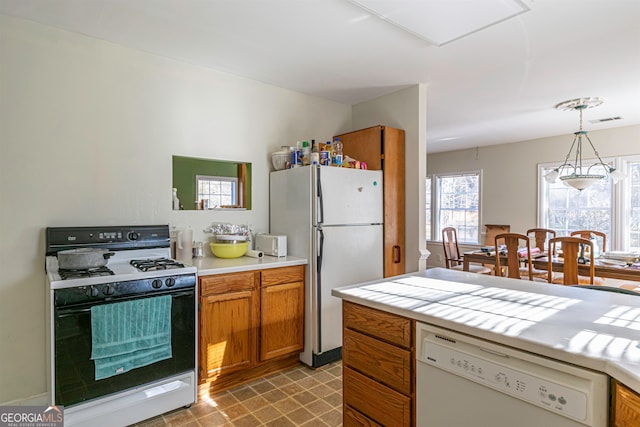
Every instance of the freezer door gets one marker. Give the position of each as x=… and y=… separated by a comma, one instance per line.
x=290, y=209
x=349, y=196
x=346, y=255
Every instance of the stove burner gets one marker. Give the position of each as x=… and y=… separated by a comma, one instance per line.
x=152, y=264
x=66, y=274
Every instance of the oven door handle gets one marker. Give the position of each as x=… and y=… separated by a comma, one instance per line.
x=86, y=307
x=67, y=312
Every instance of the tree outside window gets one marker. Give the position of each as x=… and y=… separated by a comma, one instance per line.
x=612, y=209
x=456, y=198
x=217, y=190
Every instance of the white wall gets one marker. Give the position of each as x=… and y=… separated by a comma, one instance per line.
x=87, y=131
x=405, y=109
x=510, y=174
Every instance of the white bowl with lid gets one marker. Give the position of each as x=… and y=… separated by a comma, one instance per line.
x=280, y=158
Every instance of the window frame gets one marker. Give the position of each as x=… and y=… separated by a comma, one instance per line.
x=624, y=188
x=231, y=179
x=436, y=236
x=429, y=207
x=620, y=200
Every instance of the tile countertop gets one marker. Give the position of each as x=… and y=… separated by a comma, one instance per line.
x=594, y=329
x=212, y=265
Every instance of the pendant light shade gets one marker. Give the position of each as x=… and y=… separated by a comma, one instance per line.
x=573, y=172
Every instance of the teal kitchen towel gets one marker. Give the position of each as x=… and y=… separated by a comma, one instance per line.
x=131, y=334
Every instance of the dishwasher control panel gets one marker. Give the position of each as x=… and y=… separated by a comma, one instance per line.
x=558, y=387
x=524, y=386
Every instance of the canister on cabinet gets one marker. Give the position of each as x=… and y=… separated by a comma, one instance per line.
x=198, y=249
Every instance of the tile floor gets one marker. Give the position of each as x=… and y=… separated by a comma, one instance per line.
x=296, y=397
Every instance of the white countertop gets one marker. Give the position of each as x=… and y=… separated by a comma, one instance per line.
x=589, y=328
x=211, y=265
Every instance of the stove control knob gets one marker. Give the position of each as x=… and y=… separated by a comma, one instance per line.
x=170, y=282
x=92, y=292
x=133, y=235
x=108, y=290
x=156, y=284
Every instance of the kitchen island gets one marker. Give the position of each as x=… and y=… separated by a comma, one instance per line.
x=587, y=328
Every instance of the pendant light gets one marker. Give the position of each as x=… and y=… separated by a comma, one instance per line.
x=573, y=172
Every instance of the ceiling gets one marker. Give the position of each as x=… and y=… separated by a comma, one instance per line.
x=495, y=85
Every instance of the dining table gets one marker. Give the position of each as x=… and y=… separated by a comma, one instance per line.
x=603, y=267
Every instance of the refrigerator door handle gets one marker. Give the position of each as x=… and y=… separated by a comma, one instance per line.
x=319, y=288
x=320, y=218
x=320, y=250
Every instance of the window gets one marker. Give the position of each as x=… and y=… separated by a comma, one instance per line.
x=217, y=190
x=454, y=201
x=612, y=209
x=567, y=209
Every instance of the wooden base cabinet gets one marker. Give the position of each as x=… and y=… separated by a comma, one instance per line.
x=378, y=356
x=250, y=324
x=626, y=406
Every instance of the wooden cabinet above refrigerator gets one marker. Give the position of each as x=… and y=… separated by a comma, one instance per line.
x=382, y=148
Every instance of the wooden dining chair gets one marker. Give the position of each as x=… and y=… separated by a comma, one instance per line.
x=514, y=270
x=586, y=234
x=492, y=230
x=540, y=236
x=452, y=258
x=572, y=248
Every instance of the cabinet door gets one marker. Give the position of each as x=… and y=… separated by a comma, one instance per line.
x=626, y=407
x=281, y=319
x=379, y=360
x=379, y=324
x=365, y=145
x=377, y=402
x=394, y=202
x=228, y=334
x=353, y=418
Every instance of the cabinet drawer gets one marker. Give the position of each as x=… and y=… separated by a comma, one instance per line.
x=353, y=418
x=381, y=361
x=385, y=326
x=222, y=283
x=376, y=401
x=276, y=276
x=627, y=407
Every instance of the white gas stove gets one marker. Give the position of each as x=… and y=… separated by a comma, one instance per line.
x=140, y=285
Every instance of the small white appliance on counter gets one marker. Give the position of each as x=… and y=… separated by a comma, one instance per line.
x=333, y=217
x=271, y=244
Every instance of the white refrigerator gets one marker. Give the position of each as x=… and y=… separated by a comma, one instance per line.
x=333, y=217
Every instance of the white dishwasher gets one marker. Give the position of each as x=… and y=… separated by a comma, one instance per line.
x=462, y=381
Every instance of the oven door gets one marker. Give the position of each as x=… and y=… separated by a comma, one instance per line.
x=74, y=371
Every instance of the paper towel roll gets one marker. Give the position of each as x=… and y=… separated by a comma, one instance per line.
x=255, y=254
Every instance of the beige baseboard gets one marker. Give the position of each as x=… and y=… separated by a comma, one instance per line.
x=37, y=400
